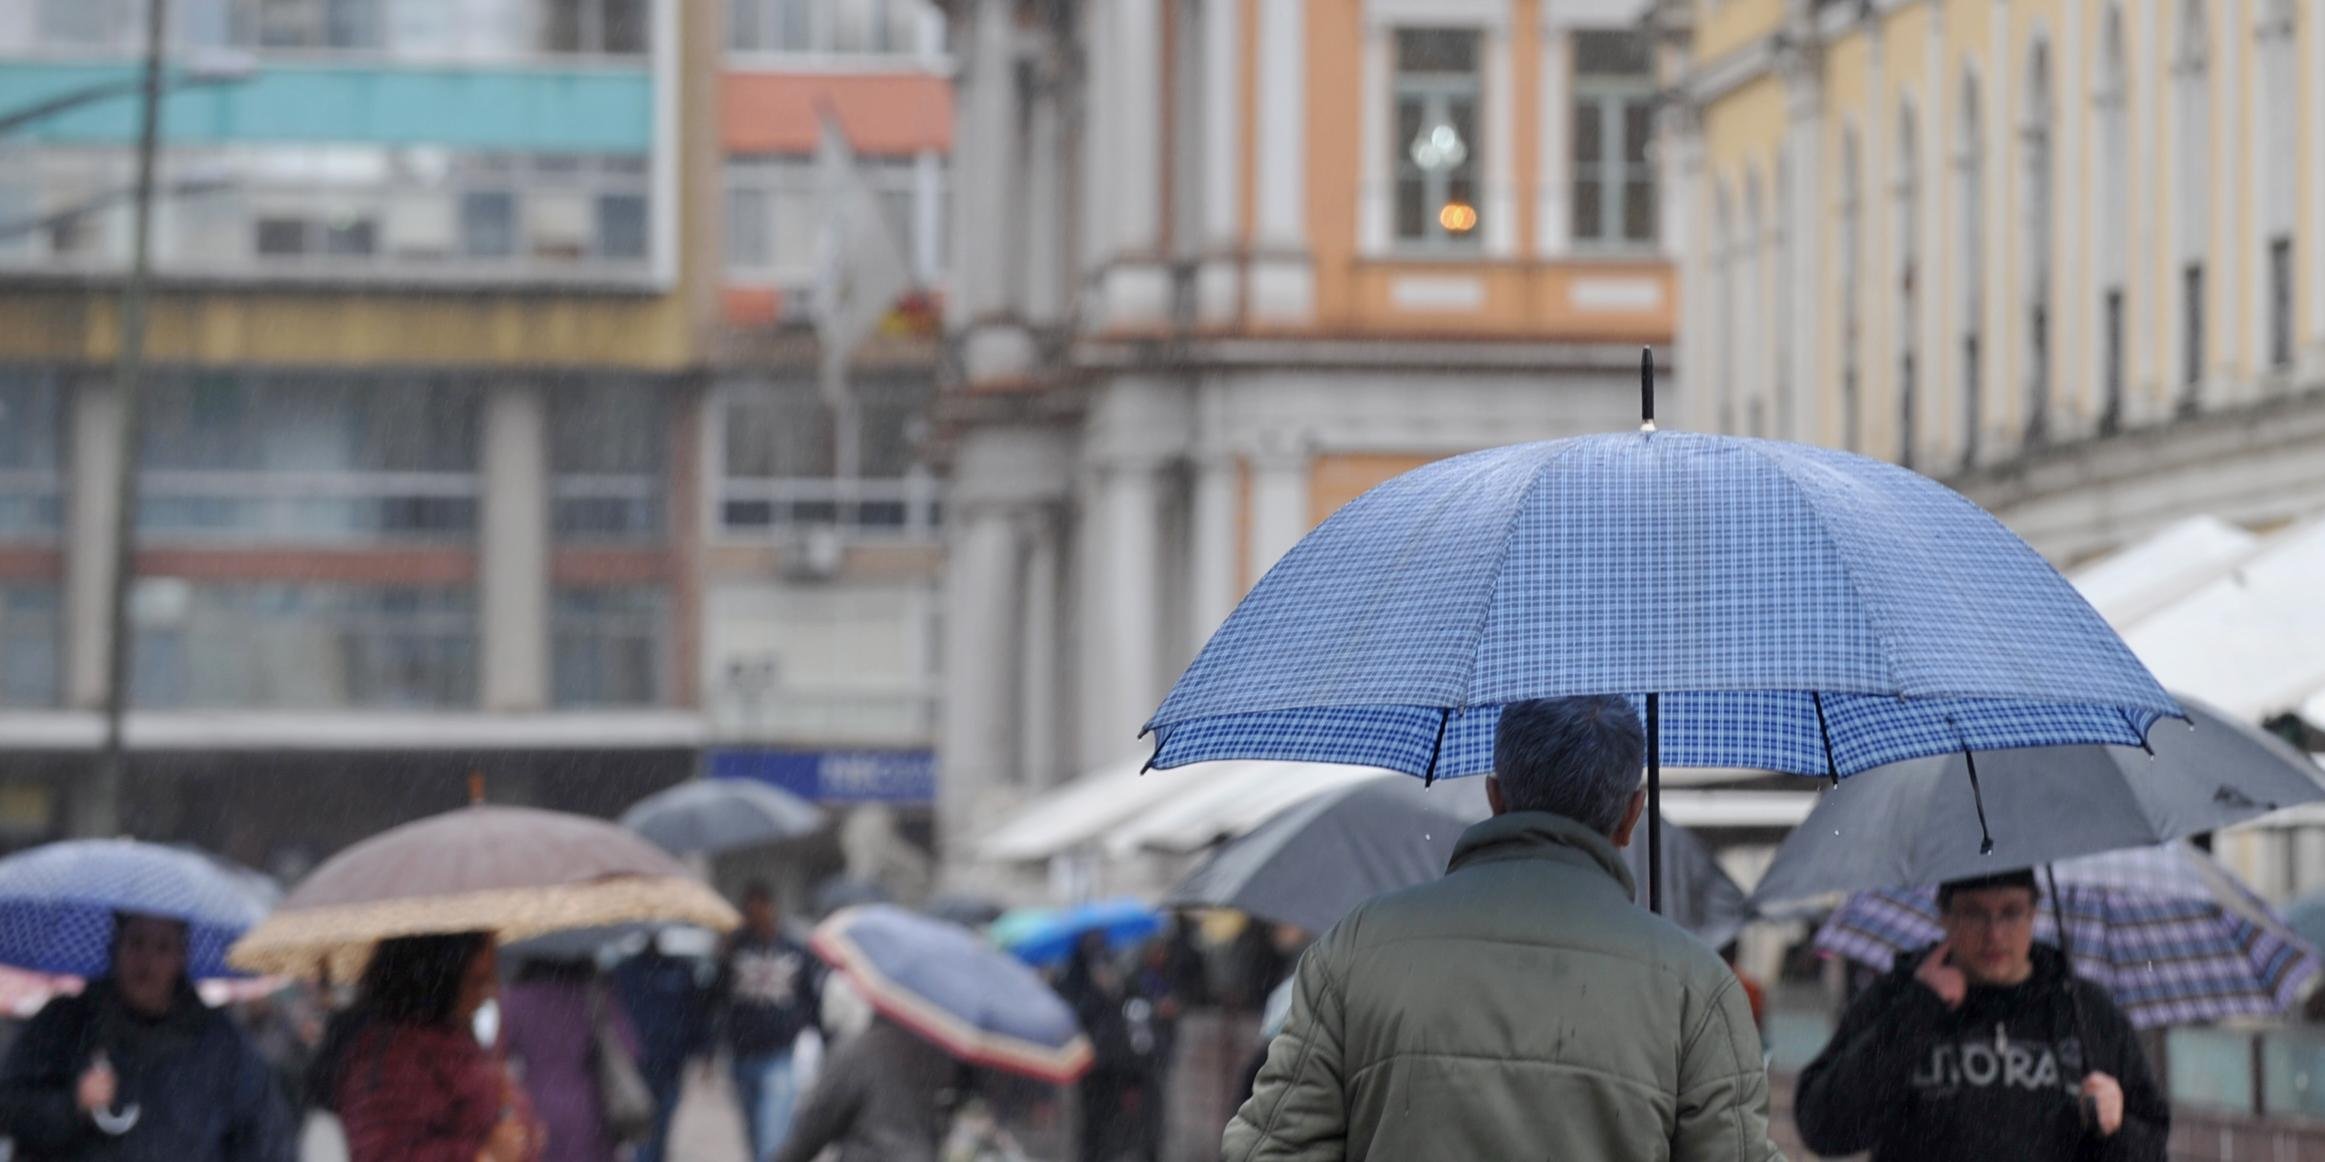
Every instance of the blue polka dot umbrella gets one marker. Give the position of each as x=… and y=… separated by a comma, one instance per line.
x=58, y=903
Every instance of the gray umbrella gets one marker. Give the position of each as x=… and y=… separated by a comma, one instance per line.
x=1317, y=860
x=714, y=815
x=1915, y=823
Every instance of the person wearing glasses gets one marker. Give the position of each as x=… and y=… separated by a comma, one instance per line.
x=1984, y=1046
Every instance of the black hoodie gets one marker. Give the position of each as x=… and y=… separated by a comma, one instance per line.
x=1999, y=1077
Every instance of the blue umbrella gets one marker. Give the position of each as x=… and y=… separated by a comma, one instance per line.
x=715, y=815
x=1048, y=936
x=1770, y=605
x=941, y=981
x=58, y=903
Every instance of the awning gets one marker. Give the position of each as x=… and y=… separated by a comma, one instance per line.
x=1082, y=810
x=2136, y=581
x=82, y=730
x=1713, y=810
x=2247, y=641
x=1243, y=797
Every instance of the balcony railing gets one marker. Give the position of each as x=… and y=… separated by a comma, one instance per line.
x=903, y=510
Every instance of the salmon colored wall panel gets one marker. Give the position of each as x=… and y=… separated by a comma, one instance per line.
x=885, y=114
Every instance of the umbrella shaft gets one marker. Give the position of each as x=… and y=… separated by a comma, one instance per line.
x=1655, y=804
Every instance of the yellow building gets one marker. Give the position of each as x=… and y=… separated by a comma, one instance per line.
x=2069, y=254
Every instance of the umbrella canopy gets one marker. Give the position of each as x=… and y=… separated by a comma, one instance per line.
x=516, y=872
x=1314, y=863
x=2170, y=934
x=714, y=815
x=1793, y=608
x=942, y=982
x=1909, y=825
x=58, y=901
x=1044, y=936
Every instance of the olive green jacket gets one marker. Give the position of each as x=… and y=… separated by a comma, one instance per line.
x=1522, y=1007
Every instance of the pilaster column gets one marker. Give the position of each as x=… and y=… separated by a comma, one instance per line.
x=1218, y=285
x=1279, y=501
x=990, y=215
x=513, y=549
x=1283, y=276
x=1554, y=157
x=1214, y=588
x=2309, y=121
x=1127, y=687
x=1137, y=290
x=1803, y=228
x=92, y=503
x=976, y=741
x=1040, y=686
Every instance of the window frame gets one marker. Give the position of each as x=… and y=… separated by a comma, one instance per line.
x=1438, y=93
x=1613, y=94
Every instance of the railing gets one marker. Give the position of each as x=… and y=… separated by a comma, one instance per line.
x=907, y=510
x=607, y=508
x=31, y=504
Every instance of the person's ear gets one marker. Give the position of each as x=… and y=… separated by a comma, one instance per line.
x=1630, y=820
x=1493, y=796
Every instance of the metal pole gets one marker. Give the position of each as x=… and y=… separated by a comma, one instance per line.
x=100, y=800
x=1655, y=803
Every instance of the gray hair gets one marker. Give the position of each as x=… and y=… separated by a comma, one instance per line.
x=1578, y=757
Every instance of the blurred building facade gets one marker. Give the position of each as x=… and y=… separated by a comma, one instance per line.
x=479, y=431
x=2068, y=255
x=1223, y=265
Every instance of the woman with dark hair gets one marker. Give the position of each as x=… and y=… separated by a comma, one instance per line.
x=402, y=1066
x=137, y=1068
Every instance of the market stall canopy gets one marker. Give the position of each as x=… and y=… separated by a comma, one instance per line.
x=2134, y=582
x=2246, y=641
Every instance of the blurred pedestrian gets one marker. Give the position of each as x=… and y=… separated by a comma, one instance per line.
x=1110, y=1094
x=765, y=1000
x=137, y=1069
x=883, y=1095
x=1152, y=1008
x=663, y=995
x=1523, y=1006
x=550, y=1022
x=1984, y=1046
x=403, y=1067
x=285, y=1030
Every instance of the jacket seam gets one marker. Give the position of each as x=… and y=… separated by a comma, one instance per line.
x=1527, y=1062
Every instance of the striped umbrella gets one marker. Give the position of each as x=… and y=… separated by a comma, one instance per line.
x=2171, y=935
x=947, y=985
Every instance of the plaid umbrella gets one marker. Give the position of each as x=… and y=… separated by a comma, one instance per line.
x=2170, y=934
x=58, y=903
x=1772, y=606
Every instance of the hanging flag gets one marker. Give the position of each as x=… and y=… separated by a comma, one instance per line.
x=863, y=269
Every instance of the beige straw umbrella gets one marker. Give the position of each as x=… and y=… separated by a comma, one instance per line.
x=516, y=872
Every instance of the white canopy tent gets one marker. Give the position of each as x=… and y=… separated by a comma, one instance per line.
x=2136, y=581
x=2252, y=640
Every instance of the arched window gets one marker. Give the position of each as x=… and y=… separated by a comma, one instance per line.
x=1970, y=254
x=1852, y=218
x=2192, y=170
x=2109, y=100
x=2034, y=169
x=2278, y=150
x=1906, y=224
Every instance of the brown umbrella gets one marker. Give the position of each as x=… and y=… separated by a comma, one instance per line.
x=516, y=872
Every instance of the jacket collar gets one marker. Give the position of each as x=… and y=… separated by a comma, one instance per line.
x=1541, y=835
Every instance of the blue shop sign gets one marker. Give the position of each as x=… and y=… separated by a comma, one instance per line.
x=836, y=776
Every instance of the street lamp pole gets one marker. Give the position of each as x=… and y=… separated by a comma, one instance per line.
x=98, y=806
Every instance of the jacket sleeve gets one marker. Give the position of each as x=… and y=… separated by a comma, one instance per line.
x=262, y=1129
x=1859, y=1083
x=2147, y=1117
x=1722, y=1112
x=832, y=1104
x=1298, y=1111
x=37, y=1082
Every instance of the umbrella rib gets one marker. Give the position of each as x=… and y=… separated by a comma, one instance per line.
x=1825, y=733
x=1437, y=749
x=1978, y=798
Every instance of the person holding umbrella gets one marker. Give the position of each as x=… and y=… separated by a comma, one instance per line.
x=404, y=1070
x=1523, y=1005
x=137, y=1067
x=1984, y=1046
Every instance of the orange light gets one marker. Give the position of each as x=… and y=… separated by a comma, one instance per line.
x=1458, y=217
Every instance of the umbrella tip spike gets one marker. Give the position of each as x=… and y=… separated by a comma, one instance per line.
x=1986, y=845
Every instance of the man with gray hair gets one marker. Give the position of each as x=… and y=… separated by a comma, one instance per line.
x=1524, y=1006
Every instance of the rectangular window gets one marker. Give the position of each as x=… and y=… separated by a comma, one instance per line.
x=2280, y=303
x=2111, y=418
x=32, y=430
x=750, y=229
x=778, y=461
x=281, y=237
x=1437, y=146
x=1614, y=124
x=621, y=226
x=1972, y=399
x=303, y=645
x=596, y=26
x=488, y=224
x=331, y=24
x=609, y=646
x=31, y=620
x=2038, y=368
x=2191, y=332
x=83, y=23
x=609, y=453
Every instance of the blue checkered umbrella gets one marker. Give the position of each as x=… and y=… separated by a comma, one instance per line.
x=2171, y=935
x=1771, y=605
x=58, y=903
